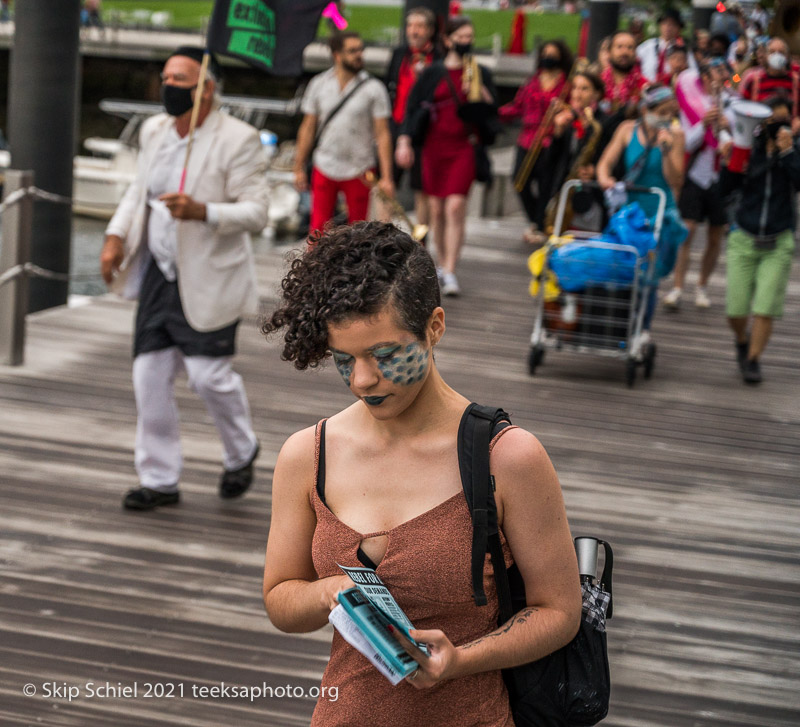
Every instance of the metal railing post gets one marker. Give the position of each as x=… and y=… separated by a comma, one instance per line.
x=16, y=250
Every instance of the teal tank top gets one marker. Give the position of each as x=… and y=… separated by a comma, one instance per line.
x=651, y=175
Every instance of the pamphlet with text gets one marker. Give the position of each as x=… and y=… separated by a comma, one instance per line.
x=363, y=618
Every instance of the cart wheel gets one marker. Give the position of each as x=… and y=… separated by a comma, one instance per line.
x=630, y=372
x=535, y=358
x=649, y=359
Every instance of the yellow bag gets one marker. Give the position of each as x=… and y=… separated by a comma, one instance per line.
x=536, y=265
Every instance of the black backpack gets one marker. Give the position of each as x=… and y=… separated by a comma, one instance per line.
x=570, y=687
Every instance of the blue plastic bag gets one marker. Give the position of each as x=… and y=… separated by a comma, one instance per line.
x=577, y=265
x=673, y=234
x=630, y=226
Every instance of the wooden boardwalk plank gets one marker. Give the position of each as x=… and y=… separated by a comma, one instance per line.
x=691, y=476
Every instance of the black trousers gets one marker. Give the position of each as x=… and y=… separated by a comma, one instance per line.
x=539, y=188
x=161, y=323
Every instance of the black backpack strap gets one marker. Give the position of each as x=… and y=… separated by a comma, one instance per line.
x=478, y=426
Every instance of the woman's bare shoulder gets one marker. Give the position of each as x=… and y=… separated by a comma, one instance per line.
x=300, y=449
x=625, y=129
x=297, y=458
x=517, y=449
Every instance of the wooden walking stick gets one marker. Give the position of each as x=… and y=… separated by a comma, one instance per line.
x=198, y=96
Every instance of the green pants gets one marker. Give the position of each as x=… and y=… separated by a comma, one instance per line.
x=757, y=279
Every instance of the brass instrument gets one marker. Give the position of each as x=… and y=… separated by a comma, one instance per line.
x=418, y=232
x=471, y=74
x=584, y=157
x=544, y=129
x=786, y=23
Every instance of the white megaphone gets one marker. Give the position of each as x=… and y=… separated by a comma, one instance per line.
x=749, y=114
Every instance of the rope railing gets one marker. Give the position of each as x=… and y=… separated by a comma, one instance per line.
x=34, y=271
x=29, y=269
x=35, y=192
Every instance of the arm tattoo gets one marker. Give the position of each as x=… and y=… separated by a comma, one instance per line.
x=517, y=618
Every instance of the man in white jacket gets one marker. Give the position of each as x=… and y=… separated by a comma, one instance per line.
x=187, y=257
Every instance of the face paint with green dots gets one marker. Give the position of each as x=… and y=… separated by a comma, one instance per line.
x=344, y=365
x=407, y=365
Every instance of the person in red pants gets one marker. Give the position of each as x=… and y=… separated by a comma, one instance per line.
x=346, y=122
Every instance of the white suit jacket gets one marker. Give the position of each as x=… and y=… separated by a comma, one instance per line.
x=216, y=272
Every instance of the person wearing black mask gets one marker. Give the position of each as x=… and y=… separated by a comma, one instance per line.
x=553, y=64
x=452, y=134
x=180, y=243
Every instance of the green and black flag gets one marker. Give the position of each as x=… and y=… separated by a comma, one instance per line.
x=268, y=34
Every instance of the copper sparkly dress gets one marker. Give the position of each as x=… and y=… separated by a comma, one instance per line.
x=427, y=569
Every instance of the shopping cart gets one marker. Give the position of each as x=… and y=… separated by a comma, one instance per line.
x=597, y=301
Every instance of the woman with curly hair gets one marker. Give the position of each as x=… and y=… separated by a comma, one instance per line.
x=378, y=484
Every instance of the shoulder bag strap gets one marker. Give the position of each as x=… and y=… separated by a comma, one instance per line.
x=452, y=87
x=337, y=108
x=639, y=163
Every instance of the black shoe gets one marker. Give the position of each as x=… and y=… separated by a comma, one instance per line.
x=145, y=498
x=741, y=354
x=751, y=373
x=234, y=483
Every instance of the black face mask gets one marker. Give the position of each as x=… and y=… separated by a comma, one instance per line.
x=549, y=63
x=176, y=99
x=462, y=49
x=773, y=127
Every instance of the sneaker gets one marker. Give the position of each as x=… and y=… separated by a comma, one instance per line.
x=146, y=498
x=450, y=284
x=701, y=299
x=673, y=298
x=440, y=276
x=234, y=483
x=741, y=354
x=534, y=236
x=751, y=372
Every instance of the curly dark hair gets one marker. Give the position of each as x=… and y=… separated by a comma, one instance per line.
x=352, y=271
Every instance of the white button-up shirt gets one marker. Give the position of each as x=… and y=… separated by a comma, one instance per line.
x=346, y=148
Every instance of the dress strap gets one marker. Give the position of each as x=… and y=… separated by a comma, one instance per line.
x=499, y=434
x=319, y=460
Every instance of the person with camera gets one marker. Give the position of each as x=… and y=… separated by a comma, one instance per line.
x=760, y=248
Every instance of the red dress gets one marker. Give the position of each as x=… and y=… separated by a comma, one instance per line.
x=448, y=158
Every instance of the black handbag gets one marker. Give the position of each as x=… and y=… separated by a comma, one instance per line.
x=483, y=164
x=572, y=686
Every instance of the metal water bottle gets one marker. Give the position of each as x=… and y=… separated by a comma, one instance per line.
x=587, y=558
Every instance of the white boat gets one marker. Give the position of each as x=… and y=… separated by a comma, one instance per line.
x=102, y=176
x=101, y=179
